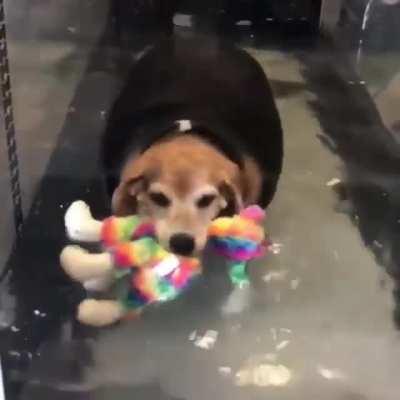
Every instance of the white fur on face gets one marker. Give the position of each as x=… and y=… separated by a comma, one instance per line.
x=190, y=214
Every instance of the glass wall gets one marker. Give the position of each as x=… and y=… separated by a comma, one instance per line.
x=372, y=30
x=317, y=316
x=7, y=228
x=49, y=44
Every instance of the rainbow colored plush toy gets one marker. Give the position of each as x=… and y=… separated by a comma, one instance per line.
x=240, y=239
x=155, y=274
x=144, y=272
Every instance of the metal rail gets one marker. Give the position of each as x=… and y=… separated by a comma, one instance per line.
x=9, y=126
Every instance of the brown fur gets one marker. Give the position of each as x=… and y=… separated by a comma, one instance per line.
x=179, y=167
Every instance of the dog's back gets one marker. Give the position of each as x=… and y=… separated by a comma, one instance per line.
x=199, y=79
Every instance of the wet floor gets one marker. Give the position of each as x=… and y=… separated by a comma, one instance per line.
x=319, y=319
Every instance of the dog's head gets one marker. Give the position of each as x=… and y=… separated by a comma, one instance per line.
x=182, y=184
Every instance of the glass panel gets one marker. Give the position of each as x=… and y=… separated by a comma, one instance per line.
x=49, y=44
x=317, y=316
x=7, y=230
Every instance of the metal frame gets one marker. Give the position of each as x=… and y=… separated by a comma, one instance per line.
x=9, y=127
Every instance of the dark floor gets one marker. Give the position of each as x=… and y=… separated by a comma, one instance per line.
x=319, y=320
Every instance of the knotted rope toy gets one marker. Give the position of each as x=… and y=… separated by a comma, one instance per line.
x=156, y=275
x=240, y=239
x=147, y=272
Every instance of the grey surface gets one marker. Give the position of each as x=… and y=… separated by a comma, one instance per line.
x=341, y=342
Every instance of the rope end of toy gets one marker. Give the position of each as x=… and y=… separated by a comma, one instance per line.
x=240, y=239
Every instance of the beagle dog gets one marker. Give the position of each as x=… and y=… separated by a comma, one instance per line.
x=194, y=134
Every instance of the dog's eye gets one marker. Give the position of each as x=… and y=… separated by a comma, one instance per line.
x=159, y=199
x=205, y=200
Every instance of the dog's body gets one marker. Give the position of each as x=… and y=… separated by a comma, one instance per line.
x=194, y=133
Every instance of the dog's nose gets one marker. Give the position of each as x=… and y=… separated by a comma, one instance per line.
x=182, y=244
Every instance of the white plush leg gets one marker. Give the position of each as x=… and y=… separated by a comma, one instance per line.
x=99, y=312
x=80, y=223
x=99, y=284
x=82, y=266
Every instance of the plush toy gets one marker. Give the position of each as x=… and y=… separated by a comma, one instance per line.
x=143, y=272
x=239, y=238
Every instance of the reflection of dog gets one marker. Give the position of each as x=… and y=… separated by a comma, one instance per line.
x=194, y=134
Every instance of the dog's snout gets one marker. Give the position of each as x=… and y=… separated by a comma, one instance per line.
x=182, y=244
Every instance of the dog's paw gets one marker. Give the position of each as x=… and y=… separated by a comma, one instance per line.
x=99, y=312
x=80, y=224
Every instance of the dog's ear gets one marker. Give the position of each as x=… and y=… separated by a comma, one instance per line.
x=125, y=197
x=137, y=185
x=135, y=180
x=232, y=198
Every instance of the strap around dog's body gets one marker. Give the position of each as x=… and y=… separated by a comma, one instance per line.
x=214, y=133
